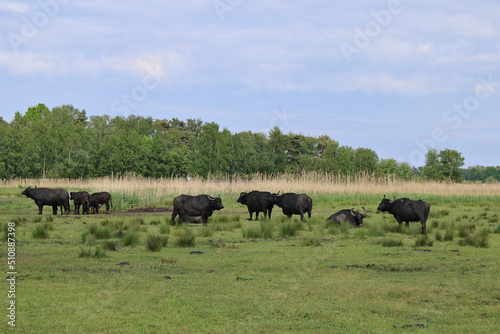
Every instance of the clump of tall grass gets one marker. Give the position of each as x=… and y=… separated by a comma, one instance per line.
x=343, y=228
x=109, y=245
x=186, y=239
x=130, y=238
x=252, y=232
x=164, y=229
x=496, y=229
x=478, y=239
x=100, y=232
x=206, y=231
x=289, y=229
x=97, y=253
x=311, y=242
x=41, y=231
x=423, y=241
x=155, y=242
x=267, y=229
x=391, y=242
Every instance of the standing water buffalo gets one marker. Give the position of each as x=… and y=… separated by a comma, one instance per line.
x=406, y=210
x=257, y=201
x=351, y=216
x=191, y=206
x=46, y=196
x=294, y=204
x=100, y=198
x=80, y=199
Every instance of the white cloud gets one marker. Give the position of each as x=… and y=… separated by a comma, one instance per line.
x=13, y=6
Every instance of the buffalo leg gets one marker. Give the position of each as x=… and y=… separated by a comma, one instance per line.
x=40, y=208
x=256, y=215
x=54, y=209
x=107, y=207
x=424, y=228
x=172, y=220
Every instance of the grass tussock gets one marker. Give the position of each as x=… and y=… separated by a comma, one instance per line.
x=96, y=253
x=186, y=239
x=423, y=241
x=130, y=238
x=155, y=243
x=391, y=242
x=478, y=239
x=42, y=231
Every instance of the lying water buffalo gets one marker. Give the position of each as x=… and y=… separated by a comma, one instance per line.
x=191, y=206
x=46, y=196
x=294, y=204
x=97, y=199
x=80, y=199
x=406, y=210
x=351, y=216
x=257, y=201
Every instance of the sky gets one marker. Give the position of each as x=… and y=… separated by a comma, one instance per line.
x=395, y=76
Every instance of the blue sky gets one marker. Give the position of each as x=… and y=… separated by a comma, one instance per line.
x=394, y=76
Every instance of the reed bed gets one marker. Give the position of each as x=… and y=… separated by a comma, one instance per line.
x=311, y=183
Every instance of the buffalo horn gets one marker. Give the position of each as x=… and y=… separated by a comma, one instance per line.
x=211, y=198
x=364, y=211
x=393, y=200
x=352, y=213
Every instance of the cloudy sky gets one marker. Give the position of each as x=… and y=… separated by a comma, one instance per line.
x=395, y=76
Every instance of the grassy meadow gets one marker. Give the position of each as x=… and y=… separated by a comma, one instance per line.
x=134, y=273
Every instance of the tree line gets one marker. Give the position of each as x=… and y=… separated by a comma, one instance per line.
x=65, y=143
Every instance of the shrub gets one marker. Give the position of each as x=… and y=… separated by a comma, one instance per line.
x=131, y=238
x=390, y=242
x=422, y=241
x=187, y=239
x=155, y=242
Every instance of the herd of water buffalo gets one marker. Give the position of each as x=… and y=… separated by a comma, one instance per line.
x=199, y=208
x=60, y=198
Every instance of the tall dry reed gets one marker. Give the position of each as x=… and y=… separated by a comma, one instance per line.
x=312, y=182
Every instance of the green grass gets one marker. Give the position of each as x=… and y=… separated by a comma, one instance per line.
x=307, y=277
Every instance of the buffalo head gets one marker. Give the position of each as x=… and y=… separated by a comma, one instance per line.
x=358, y=217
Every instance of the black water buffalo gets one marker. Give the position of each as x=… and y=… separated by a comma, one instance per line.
x=97, y=199
x=257, y=201
x=191, y=206
x=406, y=210
x=294, y=204
x=351, y=216
x=80, y=199
x=46, y=196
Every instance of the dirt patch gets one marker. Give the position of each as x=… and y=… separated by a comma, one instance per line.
x=150, y=209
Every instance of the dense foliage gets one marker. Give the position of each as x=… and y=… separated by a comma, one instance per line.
x=65, y=143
